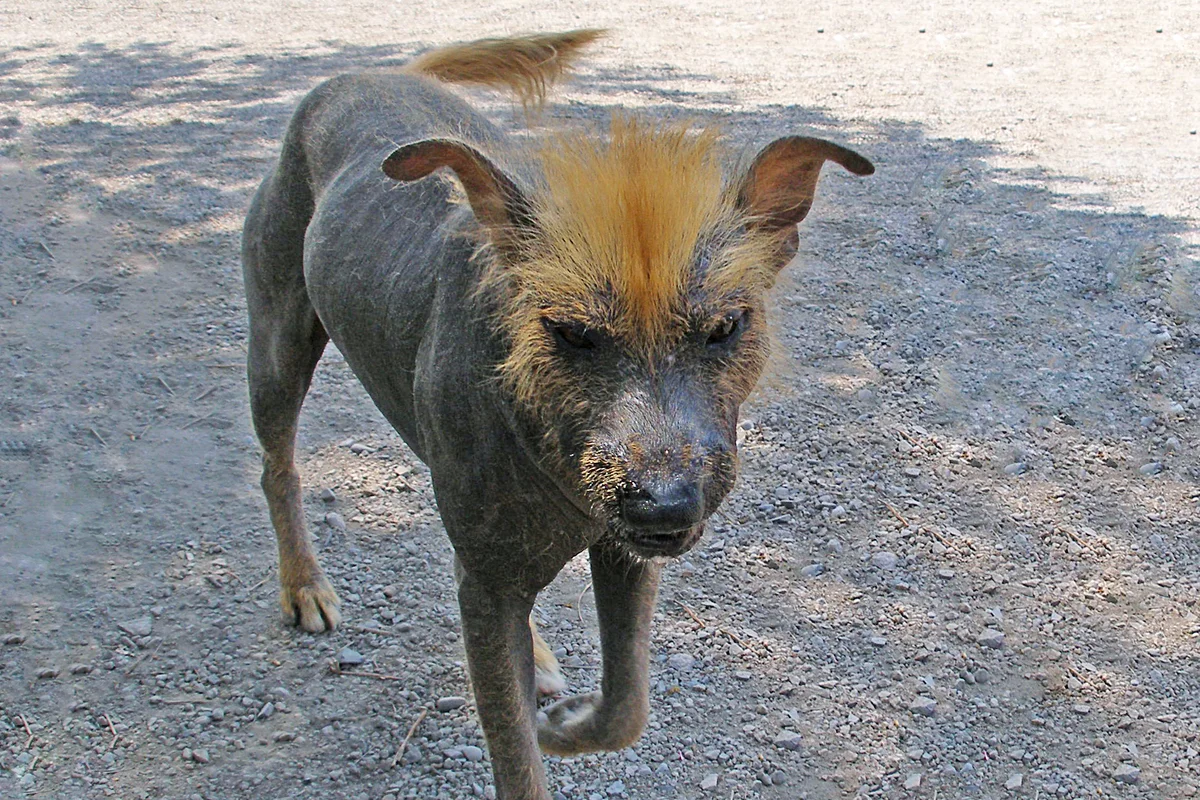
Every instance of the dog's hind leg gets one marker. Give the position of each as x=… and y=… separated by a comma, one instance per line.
x=286, y=341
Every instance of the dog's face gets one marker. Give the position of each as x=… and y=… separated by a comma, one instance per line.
x=630, y=290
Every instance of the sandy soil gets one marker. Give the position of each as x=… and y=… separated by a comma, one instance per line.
x=963, y=560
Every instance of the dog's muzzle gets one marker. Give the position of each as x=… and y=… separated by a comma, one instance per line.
x=663, y=518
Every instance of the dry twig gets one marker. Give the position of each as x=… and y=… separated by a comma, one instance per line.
x=408, y=736
x=337, y=670
x=691, y=613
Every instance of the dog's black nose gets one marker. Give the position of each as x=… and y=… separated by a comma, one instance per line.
x=662, y=507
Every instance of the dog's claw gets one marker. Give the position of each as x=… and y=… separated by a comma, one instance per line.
x=314, y=606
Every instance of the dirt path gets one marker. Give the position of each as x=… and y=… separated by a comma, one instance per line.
x=964, y=558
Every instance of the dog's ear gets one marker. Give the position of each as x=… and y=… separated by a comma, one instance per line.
x=497, y=202
x=777, y=190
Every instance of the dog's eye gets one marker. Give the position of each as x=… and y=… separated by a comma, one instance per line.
x=727, y=330
x=571, y=335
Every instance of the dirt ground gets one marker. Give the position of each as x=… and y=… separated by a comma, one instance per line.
x=964, y=556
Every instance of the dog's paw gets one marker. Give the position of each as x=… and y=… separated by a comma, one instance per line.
x=313, y=605
x=547, y=673
x=568, y=726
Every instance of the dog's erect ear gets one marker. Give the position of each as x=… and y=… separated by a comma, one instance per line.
x=777, y=191
x=497, y=202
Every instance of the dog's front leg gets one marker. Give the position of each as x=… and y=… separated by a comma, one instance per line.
x=500, y=656
x=625, y=588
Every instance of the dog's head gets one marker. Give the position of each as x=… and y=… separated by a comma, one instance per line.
x=630, y=287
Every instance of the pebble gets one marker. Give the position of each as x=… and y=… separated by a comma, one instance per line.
x=710, y=782
x=913, y=781
x=924, y=706
x=681, y=661
x=284, y=736
x=991, y=638
x=472, y=753
x=200, y=756
x=912, y=472
x=1127, y=773
x=812, y=570
x=327, y=496
x=14, y=638
x=1014, y=781
x=878, y=641
x=1016, y=468
x=80, y=669
x=945, y=574
x=46, y=673
x=142, y=626
x=743, y=675
x=885, y=559
x=349, y=657
x=334, y=520
x=1081, y=708
x=615, y=789
x=1153, y=468
x=789, y=740
x=450, y=703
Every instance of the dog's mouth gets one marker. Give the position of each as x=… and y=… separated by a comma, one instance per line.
x=658, y=544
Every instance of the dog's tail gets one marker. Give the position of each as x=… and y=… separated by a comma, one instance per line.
x=527, y=66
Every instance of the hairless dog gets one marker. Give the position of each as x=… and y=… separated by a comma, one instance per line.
x=563, y=328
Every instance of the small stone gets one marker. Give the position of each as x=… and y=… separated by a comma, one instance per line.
x=1153, y=468
x=472, y=753
x=358, y=448
x=923, y=706
x=615, y=789
x=327, y=496
x=681, y=661
x=877, y=641
x=452, y=703
x=80, y=669
x=778, y=777
x=710, y=782
x=46, y=673
x=142, y=626
x=217, y=714
x=200, y=756
x=284, y=736
x=743, y=675
x=1016, y=468
x=991, y=638
x=945, y=574
x=1127, y=773
x=812, y=570
x=334, y=520
x=1081, y=708
x=14, y=638
x=885, y=559
x=912, y=472
x=349, y=657
x=982, y=676
x=1014, y=781
x=789, y=740
x=913, y=781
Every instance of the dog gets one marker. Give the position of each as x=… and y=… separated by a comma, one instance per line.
x=563, y=329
